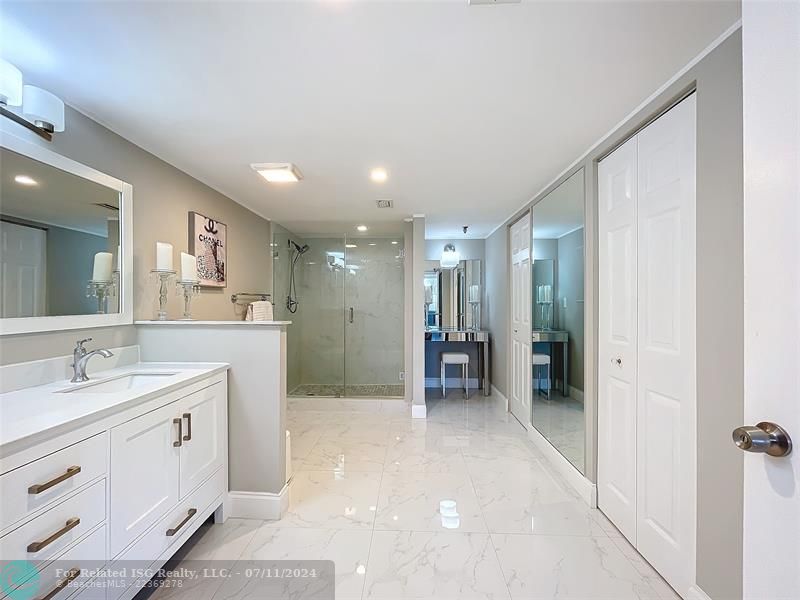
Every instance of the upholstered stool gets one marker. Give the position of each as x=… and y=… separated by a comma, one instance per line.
x=543, y=360
x=456, y=358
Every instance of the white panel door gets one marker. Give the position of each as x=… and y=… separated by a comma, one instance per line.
x=771, y=62
x=616, y=392
x=204, y=424
x=520, y=402
x=666, y=380
x=144, y=482
x=22, y=264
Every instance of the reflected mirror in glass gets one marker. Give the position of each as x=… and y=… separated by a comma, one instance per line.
x=557, y=281
x=60, y=239
x=453, y=296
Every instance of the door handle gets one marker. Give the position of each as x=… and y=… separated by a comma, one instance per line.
x=765, y=437
x=351, y=314
x=38, y=488
x=189, y=514
x=188, y=436
x=179, y=442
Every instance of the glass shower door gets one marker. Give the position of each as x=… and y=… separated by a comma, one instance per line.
x=373, y=302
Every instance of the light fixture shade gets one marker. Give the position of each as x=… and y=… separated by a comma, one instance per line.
x=10, y=84
x=278, y=172
x=43, y=108
x=450, y=257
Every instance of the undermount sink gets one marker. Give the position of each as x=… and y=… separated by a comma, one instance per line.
x=120, y=383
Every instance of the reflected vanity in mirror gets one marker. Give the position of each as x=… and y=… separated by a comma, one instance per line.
x=453, y=296
x=66, y=235
x=557, y=338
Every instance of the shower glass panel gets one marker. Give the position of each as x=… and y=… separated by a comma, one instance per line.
x=346, y=337
x=374, y=317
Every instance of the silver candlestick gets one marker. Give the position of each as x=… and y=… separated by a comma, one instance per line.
x=100, y=290
x=189, y=289
x=163, y=276
x=476, y=315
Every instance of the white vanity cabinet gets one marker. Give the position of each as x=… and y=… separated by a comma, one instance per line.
x=129, y=485
x=160, y=457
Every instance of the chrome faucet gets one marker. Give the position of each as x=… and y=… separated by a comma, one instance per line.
x=80, y=357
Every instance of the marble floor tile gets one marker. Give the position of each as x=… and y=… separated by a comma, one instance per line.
x=445, y=566
x=547, y=567
x=329, y=499
x=428, y=502
x=491, y=445
x=427, y=453
x=345, y=454
x=348, y=549
x=662, y=588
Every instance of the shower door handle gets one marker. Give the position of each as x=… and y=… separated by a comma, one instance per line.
x=351, y=314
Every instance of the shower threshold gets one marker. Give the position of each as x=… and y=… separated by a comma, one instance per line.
x=366, y=390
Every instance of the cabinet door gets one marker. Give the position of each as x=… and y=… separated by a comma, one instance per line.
x=144, y=474
x=204, y=435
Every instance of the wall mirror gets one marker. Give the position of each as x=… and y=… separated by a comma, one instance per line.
x=66, y=238
x=453, y=296
x=557, y=281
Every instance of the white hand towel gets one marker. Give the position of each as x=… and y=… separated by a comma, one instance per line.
x=259, y=311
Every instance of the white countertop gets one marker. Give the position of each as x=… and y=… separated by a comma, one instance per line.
x=188, y=322
x=36, y=411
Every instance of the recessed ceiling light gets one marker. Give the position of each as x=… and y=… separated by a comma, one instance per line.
x=362, y=227
x=350, y=246
x=373, y=244
x=278, y=172
x=395, y=243
x=25, y=180
x=378, y=175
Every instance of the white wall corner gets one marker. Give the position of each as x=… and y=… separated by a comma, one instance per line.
x=259, y=505
x=419, y=411
x=695, y=593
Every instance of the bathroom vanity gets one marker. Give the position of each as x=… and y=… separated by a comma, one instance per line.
x=124, y=467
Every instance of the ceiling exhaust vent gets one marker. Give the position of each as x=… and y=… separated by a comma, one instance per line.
x=386, y=203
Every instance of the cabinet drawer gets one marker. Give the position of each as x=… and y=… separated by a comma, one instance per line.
x=48, y=534
x=31, y=487
x=156, y=542
x=87, y=556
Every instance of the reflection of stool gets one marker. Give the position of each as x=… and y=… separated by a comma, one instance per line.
x=543, y=360
x=456, y=358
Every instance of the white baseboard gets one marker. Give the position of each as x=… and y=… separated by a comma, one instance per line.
x=585, y=488
x=452, y=382
x=419, y=411
x=576, y=394
x=695, y=593
x=499, y=394
x=259, y=505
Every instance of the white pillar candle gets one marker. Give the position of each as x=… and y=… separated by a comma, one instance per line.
x=474, y=293
x=102, y=266
x=188, y=267
x=119, y=259
x=163, y=256
x=428, y=294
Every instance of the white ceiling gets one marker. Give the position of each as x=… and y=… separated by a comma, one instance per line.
x=472, y=109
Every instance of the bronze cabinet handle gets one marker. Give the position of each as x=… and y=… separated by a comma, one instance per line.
x=72, y=575
x=173, y=530
x=70, y=524
x=179, y=442
x=188, y=436
x=38, y=488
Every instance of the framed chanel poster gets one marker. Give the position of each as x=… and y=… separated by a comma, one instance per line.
x=208, y=243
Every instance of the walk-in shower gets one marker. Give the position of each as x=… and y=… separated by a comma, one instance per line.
x=344, y=297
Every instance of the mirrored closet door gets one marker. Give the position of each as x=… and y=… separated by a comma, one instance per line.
x=557, y=336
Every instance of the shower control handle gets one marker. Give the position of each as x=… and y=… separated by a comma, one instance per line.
x=351, y=314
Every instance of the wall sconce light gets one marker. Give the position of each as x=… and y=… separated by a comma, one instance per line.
x=450, y=257
x=42, y=112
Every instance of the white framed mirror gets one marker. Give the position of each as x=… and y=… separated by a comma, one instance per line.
x=66, y=233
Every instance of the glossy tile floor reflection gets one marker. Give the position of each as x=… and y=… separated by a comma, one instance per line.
x=561, y=420
x=460, y=505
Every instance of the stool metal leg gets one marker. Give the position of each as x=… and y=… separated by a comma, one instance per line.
x=464, y=374
x=441, y=376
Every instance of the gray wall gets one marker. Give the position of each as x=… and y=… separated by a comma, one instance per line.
x=720, y=305
x=162, y=198
x=570, y=286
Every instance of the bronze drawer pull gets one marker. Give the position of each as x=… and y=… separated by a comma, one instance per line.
x=173, y=530
x=188, y=436
x=72, y=575
x=38, y=488
x=179, y=442
x=70, y=524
